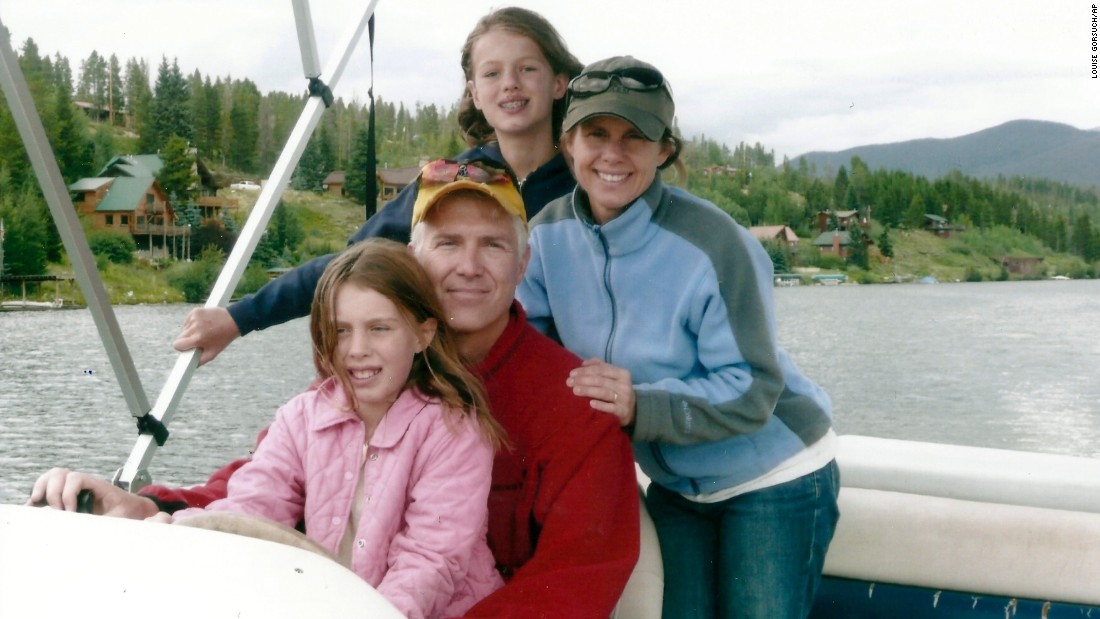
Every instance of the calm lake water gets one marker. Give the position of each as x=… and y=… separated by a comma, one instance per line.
x=1010, y=365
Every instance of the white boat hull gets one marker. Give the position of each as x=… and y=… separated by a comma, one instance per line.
x=61, y=564
x=921, y=524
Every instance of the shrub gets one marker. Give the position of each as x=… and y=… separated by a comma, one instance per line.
x=255, y=276
x=118, y=247
x=778, y=253
x=197, y=279
x=829, y=262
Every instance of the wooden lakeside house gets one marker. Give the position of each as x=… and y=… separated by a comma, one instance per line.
x=392, y=180
x=210, y=205
x=1026, y=266
x=125, y=196
x=781, y=234
x=135, y=205
x=938, y=225
x=104, y=113
x=836, y=242
x=334, y=183
x=844, y=219
x=720, y=170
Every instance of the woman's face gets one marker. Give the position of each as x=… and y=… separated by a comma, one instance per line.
x=512, y=83
x=613, y=162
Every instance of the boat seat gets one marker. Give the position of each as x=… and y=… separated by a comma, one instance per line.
x=644, y=592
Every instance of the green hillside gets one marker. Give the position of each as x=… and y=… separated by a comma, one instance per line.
x=238, y=131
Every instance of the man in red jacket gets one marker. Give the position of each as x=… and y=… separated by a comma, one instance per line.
x=563, y=508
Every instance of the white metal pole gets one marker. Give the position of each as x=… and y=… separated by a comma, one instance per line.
x=133, y=475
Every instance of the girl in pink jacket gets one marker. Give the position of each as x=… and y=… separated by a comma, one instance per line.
x=388, y=460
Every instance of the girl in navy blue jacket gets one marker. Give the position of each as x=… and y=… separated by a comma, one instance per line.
x=517, y=68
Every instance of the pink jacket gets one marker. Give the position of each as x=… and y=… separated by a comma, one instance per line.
x=421, y=534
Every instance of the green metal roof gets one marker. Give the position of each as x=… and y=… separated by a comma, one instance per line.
x=152, y=163
x=124, y=195
x=826, y=238
x=134, y=166
x=90, y=184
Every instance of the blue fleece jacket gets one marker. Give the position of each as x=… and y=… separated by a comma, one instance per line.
x=291, y=295
x=677, y=292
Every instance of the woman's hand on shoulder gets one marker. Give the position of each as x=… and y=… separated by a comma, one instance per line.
x=608, y=387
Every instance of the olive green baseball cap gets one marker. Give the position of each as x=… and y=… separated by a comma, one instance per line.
x=625, y=87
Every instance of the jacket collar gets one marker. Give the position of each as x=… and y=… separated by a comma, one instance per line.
x=630, y=231
x=502, y=349
x=389, y=431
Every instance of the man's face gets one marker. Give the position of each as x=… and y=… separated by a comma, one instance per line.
x=469, y=248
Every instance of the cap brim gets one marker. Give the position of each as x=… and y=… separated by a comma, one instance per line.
x=427, y=199
x=647, y=122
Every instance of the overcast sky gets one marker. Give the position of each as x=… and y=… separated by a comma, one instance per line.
x=794, y=75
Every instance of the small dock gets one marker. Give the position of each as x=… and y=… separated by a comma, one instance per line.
x=24, y=305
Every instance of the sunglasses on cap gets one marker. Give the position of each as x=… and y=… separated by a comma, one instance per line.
x=639, y=79
x=445, y=171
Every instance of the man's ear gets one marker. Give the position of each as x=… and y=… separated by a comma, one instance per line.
x=427, y=333
x=523, y=263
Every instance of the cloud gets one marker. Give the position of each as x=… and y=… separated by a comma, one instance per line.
x=795, y=75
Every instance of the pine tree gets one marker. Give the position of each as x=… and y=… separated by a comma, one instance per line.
x=62, y=73
x=286, y=228
x=137, y=99
x=244, y=126
x=69, y=137
x=840, y=187
x=778, y=253
x=1084, y=240
x=355, y=177
x=851, y=200
x=305, y=174
x=317, y=161
x=26, y=238
x=885, y=247
x=171, y=105
x=914, y=215
x=206, y=107
x=859, y=254
x=104, y=149
x=85, y=85
x=114, y=90
x=326, y=150
x=176, y=177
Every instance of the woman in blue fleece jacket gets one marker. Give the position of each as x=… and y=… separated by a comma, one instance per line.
x=670, y=302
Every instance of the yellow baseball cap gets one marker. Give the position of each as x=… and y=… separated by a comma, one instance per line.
x=444, y=176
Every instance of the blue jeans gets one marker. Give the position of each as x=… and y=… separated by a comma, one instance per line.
x=757, y=555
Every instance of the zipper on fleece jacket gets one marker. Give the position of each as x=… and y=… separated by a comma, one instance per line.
x=610, y=294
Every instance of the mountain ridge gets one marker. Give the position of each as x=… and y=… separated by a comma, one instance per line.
x=1029, y=148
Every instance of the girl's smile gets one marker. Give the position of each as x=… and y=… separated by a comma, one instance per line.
x=375, y=346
